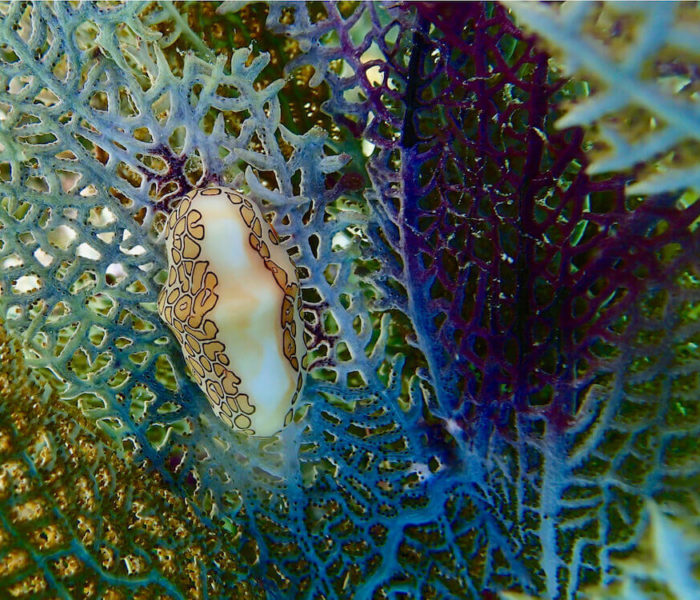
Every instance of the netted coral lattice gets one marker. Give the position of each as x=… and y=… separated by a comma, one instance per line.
x=502, y=333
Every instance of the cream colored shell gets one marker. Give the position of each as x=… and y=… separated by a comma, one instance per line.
x=232, y=300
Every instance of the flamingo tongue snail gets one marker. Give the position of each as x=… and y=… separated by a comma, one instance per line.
x=232, y=300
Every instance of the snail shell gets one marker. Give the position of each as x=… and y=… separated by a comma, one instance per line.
x=232, y=300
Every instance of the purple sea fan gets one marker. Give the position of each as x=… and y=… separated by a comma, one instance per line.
x=503, y=347
x=556, y=314
x=526, y=262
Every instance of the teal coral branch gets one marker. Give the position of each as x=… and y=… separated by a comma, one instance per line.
x=624, y=84
x=167, y=11
x=623, y=80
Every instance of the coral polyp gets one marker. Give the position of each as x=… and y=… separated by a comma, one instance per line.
x=232, y=301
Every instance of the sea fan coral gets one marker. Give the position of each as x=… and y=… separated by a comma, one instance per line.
x=502, y=387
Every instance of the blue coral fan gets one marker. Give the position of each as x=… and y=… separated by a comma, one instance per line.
x=495, y=228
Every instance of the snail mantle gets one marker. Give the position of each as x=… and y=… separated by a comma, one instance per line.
x=232, y=300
